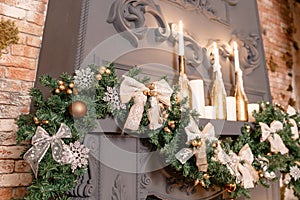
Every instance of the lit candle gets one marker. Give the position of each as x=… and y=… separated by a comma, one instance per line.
x=180, y=40
x=236, y=57
x=198, y=100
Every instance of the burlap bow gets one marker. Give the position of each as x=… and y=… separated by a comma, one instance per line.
x=239, y=165
x=41, y=142
x=294, y=128
x=269, y=133
x=193, y=133
x=159, y=91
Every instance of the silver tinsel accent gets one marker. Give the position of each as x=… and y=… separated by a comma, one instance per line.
x=112, y=97
x=295, y=172
x=84, y=78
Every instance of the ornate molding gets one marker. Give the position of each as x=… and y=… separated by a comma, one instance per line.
x=119, y=189
x=128, y=16
x=208, y=8
x=249, y=54
x=173, y=182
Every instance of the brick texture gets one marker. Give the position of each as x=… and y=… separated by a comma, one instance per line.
x=17, y=75
x=276, y=18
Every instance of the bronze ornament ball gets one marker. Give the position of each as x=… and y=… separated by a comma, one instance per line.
x=78, y=109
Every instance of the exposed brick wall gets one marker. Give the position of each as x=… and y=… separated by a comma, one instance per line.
x=17, y=74
x=276, y=21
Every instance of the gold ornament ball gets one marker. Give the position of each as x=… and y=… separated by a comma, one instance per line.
x=99, y=77
x=36, y=120
x=206, y=176
x=166, y=129
x=78, y=109
x=69, y=91
x=71, y=85
x=194, y=143
x=170, y=123
x=260, y=173
x=215, y=144
x=107, y=71
x=230, y=187
x=45, y=122
x=151, y=86
x=57, y=91
x=269, y=154
x=62, y=87
x=102, y=69
x=60, y=82
x=199, y=143
x=202, y=183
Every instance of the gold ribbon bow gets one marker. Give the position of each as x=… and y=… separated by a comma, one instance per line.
x=198, y=140
x=269, y=133
x=41, y=142
x=239, y=165
x=294, y=128
x=159, y=91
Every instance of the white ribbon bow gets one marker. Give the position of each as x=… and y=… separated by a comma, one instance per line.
x=239, y=165
x=294, y=128
x=194, y=133
x=131, y=88
x=270, y=134
x=41, y=142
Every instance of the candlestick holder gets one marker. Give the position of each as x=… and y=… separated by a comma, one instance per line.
x=183, y=81
x=181, y=63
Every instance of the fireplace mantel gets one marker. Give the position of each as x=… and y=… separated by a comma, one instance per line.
x=81, y=32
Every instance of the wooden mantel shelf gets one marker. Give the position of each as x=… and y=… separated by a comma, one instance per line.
x=222, y=127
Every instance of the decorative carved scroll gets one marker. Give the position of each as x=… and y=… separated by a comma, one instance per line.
x=118, y=189
x=208, y=8
x=173, y=182
x=129, y=16
x=249, y=54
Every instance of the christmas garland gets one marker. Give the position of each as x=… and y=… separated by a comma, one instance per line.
x=197, y=153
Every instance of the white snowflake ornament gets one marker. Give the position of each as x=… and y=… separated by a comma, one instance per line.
x=112, y=97
x=84, y=78
x=295, y=172
x=80, y=155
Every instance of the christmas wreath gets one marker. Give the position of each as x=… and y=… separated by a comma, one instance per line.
x=152, y=109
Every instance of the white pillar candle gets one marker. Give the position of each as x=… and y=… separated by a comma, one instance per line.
x=251, y=108
x=198, y=99
x=180, y=40
x=231, y=108
x=210, y=112
x=236, y=57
